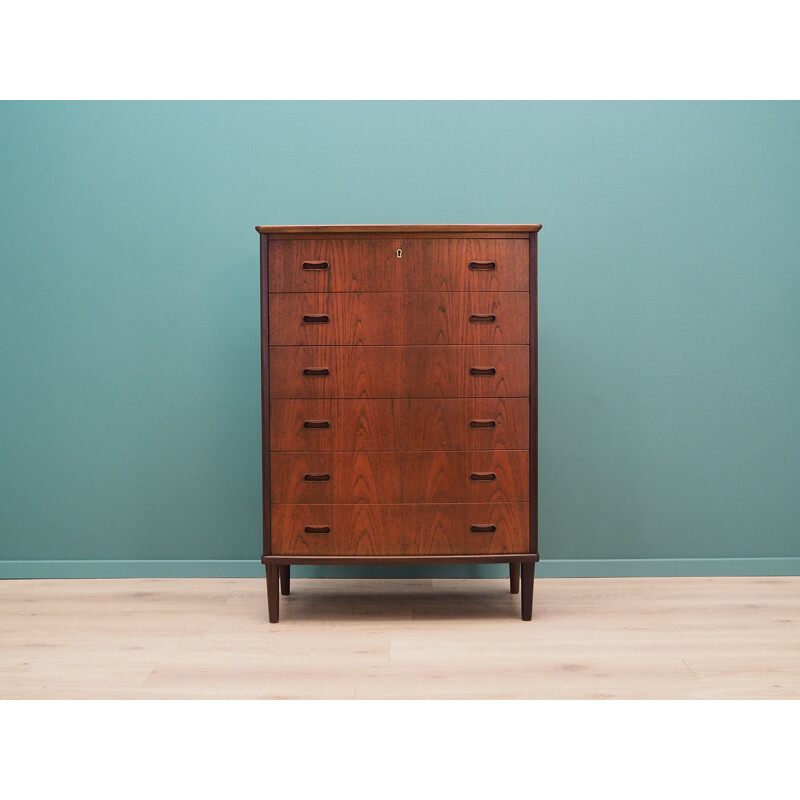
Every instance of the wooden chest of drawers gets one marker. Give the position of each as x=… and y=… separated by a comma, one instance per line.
x=399, y=398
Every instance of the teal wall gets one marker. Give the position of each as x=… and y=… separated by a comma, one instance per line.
x=669, y=317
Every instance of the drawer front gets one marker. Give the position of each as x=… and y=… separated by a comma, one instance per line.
x=372, y=265
x=496, y=423
x=390, y=530
x=414, y=371
x=376, y=318
x=483, y=476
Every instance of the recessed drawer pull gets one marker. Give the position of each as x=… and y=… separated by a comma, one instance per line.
x=482, y=317
x=480, y=528
x=483, y=476
x=316, y=476
x=482, y=371
x=316, y=371
x=318, y=528
x=483, y=423
x=316, y=423
x=317, y=319
x=482, y=265
x=315, y=265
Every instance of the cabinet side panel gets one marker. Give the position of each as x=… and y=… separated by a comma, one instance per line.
x=266, y=489
x=534, y=398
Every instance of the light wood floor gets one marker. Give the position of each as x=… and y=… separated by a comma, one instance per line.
x=590, y=638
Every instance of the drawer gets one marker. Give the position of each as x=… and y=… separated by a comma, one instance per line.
x=383, y=318
x=414, y=371
x=391, y=530
x=490, y=423
x=372, y=265
x=483, y=476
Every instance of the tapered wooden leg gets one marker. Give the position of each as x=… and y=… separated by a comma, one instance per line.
x=513, y=571
x=272, y=592
x=284, y=570
x=527, y=590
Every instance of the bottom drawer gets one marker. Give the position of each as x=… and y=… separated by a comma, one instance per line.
x=400, y=530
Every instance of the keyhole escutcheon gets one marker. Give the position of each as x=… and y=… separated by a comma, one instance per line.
x=399, y=252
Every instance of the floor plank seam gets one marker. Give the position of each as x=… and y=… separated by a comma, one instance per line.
x=692, y=671
x=143, y=684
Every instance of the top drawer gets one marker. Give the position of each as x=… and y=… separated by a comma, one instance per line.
x=398, y=265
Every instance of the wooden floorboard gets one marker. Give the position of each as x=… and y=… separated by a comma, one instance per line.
x=644, y=638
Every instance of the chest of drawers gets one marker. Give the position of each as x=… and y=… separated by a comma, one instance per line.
x=399, y=398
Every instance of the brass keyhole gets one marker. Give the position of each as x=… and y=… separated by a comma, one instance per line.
x=399, y=252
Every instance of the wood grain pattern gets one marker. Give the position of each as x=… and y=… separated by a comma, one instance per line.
x=372, y=265
x=415, y=371
x=265, y=398
x=387, y=530
x=533, y=427
x=400, y=424
x=413, y=477
x=389, y=318
x=651, y=638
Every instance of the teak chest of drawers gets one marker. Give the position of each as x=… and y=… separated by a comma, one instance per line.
x=399, y=398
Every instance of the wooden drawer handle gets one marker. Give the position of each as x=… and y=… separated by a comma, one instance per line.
x=482, y=265
x=483, y=423
x=316, y=371
x=483, y=476
x=316, y=423
x=480, y=528
x=482, y=317
x=316, y=476
x=318, y=528
x=482, y=371
x=315, y=265
x=315, y=319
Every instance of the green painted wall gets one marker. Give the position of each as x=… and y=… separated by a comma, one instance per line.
x=129, y=321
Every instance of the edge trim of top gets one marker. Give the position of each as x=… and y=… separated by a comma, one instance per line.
x=398, y=228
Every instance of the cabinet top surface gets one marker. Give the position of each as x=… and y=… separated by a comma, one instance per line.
x=398, y=229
